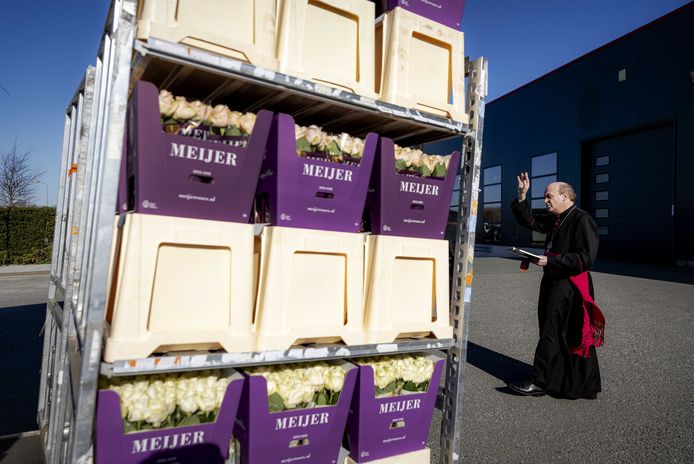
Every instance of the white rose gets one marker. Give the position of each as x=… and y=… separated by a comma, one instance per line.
x=219, y=116
x=430, y=162
x=308, y=392
x=235, y=118
x=207, y=400
x=314, y=135
x=138, y=408
x=248, y=122
x=184, y=110
x=188, y=402
x=345, y=143
x=299, y=131
x=167, y=103
x=384, y=374
x=202, y=111
x=220, y=390
x=334, y=378
x=314, y=376
x=326, y=139
x=158, y=412
x=272, y=380
x=357, y=147
x=291, y=392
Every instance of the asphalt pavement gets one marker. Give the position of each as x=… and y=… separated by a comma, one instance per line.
x=645, y=413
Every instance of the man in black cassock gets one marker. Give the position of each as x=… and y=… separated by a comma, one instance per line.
x=571, y=247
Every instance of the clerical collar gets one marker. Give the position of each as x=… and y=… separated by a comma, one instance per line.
x=567, y=212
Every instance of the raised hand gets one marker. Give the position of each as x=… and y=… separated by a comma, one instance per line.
x=523, y=185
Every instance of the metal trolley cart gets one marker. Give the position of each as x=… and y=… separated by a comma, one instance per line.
x=91, y=155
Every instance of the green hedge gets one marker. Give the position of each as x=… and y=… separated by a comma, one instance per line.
x=26, y=235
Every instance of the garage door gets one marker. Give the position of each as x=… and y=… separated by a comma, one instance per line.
x=628, y=189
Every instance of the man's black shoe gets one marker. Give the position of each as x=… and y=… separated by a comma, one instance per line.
x=527, y=388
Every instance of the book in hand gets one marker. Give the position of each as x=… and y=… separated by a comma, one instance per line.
x=524, y=253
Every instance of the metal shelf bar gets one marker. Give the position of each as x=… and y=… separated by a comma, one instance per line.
x=197, y=361
x=187, y=58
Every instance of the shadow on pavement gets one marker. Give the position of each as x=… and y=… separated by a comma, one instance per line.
x=21, y=450
x=20, y=366
x=498, y=365
x=680, y=275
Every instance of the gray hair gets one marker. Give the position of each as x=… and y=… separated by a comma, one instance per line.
x=569, y=190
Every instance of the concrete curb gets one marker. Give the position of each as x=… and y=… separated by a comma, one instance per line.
x=28, y=269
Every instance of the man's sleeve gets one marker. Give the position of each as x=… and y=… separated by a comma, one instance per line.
x=582, y=254
x=525, y=217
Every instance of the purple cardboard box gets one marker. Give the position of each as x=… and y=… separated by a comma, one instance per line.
x=306, y=436
x=208, y=443
x=177, y=175
x=406, y=205
x=311, y=193
x=446, y=12
x=382, y=427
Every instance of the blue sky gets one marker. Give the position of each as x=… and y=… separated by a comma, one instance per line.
x=47, y=46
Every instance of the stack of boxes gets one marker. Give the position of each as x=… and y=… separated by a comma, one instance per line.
x=191, y=270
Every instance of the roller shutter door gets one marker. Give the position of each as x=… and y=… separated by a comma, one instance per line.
x=628, y=189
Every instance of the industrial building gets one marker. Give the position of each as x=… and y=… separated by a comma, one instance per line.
x=618, y=124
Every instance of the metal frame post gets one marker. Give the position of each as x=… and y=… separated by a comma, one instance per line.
x=461, y=292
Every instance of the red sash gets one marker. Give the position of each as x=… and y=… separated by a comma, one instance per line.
x=593, y=332
x=593, y=320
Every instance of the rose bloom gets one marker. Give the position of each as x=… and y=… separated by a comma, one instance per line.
x=416, y=157
x=446, y=160
x=158, y=412
x=326, y=139
x=184, y=110
x=123, y=404
x=207, y=400
x=334, y=378
x=345, y=143
x=167, y=103
x=314, y=376
x=430, y=162
x=247, y=122
x=219, y=117
x=384, y=374
x=357, y=147
x=291, y=390
x=314, y=135
x=138, y=408
x=187, y=402
x=202, y=111
x=299, y=131
x=235, y=118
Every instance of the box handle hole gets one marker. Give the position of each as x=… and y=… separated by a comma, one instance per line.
x=201, y=178
x=297, y=443
x=397, y=424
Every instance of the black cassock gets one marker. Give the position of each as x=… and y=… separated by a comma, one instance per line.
x=572, y=242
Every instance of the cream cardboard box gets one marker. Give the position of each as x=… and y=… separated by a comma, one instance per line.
x=329, y=41
x=245, y=30
x=420, y=64
x=181, y=284
x=422, y=456
x=407, y=289
x=310, y=288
